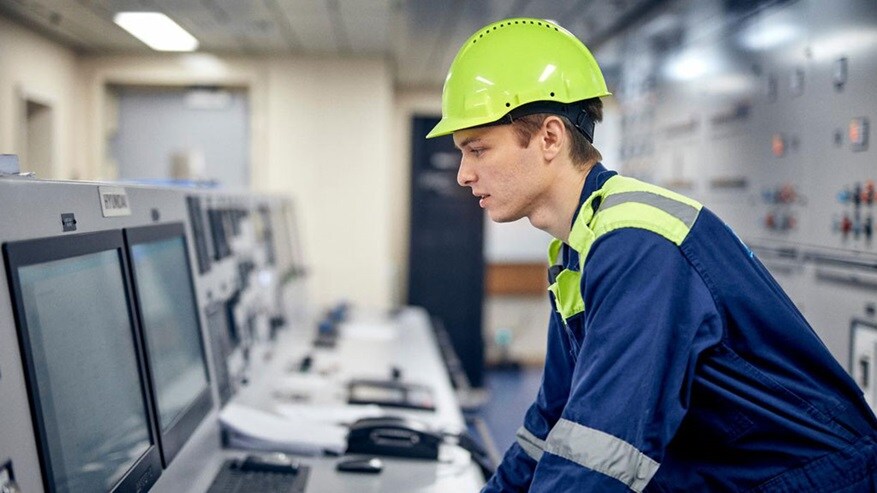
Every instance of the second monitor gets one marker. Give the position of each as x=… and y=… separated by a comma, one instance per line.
x=168, y=314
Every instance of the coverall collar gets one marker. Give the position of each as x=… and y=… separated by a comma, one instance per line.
x=597, y=176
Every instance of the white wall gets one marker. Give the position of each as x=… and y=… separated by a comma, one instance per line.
x=329, y=136
x=515, y=242
x=44, y=71
x=320, y=132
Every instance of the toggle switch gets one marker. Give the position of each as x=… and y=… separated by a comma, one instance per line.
x=868, y=192
x=839, y=74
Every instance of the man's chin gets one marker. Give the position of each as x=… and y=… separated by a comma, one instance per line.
x=499, y=217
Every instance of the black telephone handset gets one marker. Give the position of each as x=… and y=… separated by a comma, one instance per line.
x=393, y=436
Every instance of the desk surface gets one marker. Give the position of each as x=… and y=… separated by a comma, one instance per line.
x=370, y=345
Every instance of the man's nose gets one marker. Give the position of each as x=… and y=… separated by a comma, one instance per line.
x=465, y=176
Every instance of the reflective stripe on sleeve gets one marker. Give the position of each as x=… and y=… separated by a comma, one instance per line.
x=601, y=452
x=682, y=211
x=532, y=445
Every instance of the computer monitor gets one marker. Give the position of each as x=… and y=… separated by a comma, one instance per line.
x=220, y=229
x=220, y=349
x=199, y=233
x=282, y=240
x=291, y=236
x=267, y=235
x=168, y=316
x=83, y=365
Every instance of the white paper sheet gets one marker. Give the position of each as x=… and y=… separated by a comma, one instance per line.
x=344, y=414
x=254, y=429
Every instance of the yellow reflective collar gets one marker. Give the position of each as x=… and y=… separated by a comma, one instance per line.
x=624, y=203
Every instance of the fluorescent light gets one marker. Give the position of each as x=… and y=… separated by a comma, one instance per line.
x=688, y=66
x=847, y=41
x=765, y=37
x=157, y=30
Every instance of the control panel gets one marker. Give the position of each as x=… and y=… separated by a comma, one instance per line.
x=854, y=221
x=783, y=203
x=762, y=112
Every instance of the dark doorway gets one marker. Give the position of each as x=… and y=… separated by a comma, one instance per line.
x=446, y=271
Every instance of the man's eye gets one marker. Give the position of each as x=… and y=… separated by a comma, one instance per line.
x=476, y=152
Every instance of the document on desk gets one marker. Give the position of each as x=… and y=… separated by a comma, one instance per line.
x=346, y=414
x=254, y=429
x=371, y=330
x=307, y=382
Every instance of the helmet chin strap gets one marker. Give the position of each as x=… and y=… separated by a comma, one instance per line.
x=575, y=112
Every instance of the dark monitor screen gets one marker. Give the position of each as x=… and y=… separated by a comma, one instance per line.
x=199, y=233
x=168, y=314
x=282, y=240
x=80, y=347
x=219, y=230
x=267, y=236
x=290, y=236
x=220, y=344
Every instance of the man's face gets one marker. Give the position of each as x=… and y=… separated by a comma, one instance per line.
x=509, y=179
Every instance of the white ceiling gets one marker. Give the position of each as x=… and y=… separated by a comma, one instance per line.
x=420, y=36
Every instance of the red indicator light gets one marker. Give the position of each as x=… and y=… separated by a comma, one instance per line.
x=778, y=145
x=857, y=131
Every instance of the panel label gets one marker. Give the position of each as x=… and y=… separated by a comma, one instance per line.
x=114, y=202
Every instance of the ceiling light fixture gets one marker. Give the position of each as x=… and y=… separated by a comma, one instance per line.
x=157, y=30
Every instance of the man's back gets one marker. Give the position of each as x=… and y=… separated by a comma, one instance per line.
x=768, y=398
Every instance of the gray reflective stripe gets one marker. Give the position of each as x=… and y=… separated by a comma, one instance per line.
x=532, y=445
x=680, y=210
x=601, y=452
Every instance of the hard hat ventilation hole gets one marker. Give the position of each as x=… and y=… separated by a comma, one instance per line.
x=552, y=94
x=508, y=104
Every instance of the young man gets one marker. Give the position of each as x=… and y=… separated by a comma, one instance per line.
x=675, y=362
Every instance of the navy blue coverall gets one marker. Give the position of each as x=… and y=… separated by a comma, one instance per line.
x=689, y=369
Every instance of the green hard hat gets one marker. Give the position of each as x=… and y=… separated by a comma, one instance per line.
x=513, y=62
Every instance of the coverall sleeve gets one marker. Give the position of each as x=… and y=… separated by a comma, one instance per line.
x=648, y=315
x=515, y=472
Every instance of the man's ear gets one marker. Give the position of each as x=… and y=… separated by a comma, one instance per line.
x=551, y=137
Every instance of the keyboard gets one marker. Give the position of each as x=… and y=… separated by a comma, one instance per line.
x=234, y=479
